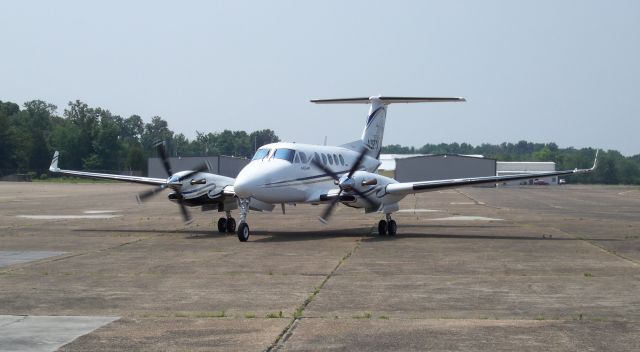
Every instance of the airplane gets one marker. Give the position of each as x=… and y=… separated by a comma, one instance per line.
x=292, y=173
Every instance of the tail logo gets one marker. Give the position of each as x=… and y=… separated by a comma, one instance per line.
x=373, y=143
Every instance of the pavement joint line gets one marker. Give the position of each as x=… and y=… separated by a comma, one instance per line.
x=588, y=241
x=536, y=319
x=23, y=317
x=64, y=257
x=287, y=332
x=477, y=201
x=597, y=245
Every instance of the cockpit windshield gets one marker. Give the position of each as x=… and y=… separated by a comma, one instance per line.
x=284, y=154
x=260, y=154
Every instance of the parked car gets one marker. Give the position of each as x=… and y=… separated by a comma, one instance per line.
x=540, y=182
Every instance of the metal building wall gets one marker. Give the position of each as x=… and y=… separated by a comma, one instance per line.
x=223, y=165
x=526, y=167
x=230, y=166
x=440, y=167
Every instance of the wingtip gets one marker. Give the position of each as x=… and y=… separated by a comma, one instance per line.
x=54, y=162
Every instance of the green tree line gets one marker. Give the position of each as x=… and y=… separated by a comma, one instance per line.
x=92, y=138
x=613, y=167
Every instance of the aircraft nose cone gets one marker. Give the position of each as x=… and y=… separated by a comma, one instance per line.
x=245, y=185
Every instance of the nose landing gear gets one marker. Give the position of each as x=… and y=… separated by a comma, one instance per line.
x=387, y=227
x=243, y=228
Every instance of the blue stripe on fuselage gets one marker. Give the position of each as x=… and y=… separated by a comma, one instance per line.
x=303, y=178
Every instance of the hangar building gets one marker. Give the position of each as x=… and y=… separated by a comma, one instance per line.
x=222, y=165
x=422, y=167
x=527, y=167
x=436, y=167
x=388, y=163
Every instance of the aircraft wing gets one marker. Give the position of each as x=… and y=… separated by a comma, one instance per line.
x=436, y=185
x=135, y=179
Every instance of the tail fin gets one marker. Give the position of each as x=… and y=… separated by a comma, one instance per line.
x=54, y=163
x=374, y=128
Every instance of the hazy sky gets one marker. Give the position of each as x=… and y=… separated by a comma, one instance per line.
x=562, y=71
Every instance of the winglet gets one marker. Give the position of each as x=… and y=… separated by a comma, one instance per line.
x=595, y=160
x=54, y=163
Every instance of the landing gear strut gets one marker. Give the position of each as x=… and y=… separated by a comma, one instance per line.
x=388, y=226
x=227, y=224
x=243, y=228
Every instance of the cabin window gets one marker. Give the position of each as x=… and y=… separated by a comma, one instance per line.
x=284, y=154
x=316, y=156
x=341, y=159
x=303, y=157
x=335, y=159
x=330, y=159
x=260, y=154
x=324, y=159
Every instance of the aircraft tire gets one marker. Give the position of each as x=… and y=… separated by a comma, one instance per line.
x=382, y=228
x=392, y=227
x=222, y=225
x=243, y=232
x=231, y=225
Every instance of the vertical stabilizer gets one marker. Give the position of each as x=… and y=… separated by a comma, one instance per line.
x=374, y=128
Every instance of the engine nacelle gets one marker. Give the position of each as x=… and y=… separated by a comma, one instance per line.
x=372, y=185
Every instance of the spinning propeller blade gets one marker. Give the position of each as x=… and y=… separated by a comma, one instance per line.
x=183, y=209
x=202, y=167
x=322, y=167
x=326, y=214
x=363, y=196
x=165, y=159
x=143, y=196
x=356, y=164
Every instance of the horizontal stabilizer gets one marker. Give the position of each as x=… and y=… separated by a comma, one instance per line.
x=387, y=100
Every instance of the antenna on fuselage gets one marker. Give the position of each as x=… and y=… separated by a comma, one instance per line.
x=325, y=140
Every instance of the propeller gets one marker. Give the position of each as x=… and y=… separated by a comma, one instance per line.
x=347, y=184
x=176, y=186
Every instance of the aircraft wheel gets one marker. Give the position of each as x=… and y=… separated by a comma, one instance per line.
x=222, y=225
x=231, y=225
x=243, y=232
x=382, y=228
x=392, y=227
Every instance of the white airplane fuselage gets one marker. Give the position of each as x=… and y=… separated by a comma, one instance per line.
x=283, y=173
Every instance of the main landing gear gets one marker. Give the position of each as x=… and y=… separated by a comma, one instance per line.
x=387, y=227
x=227, y=224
